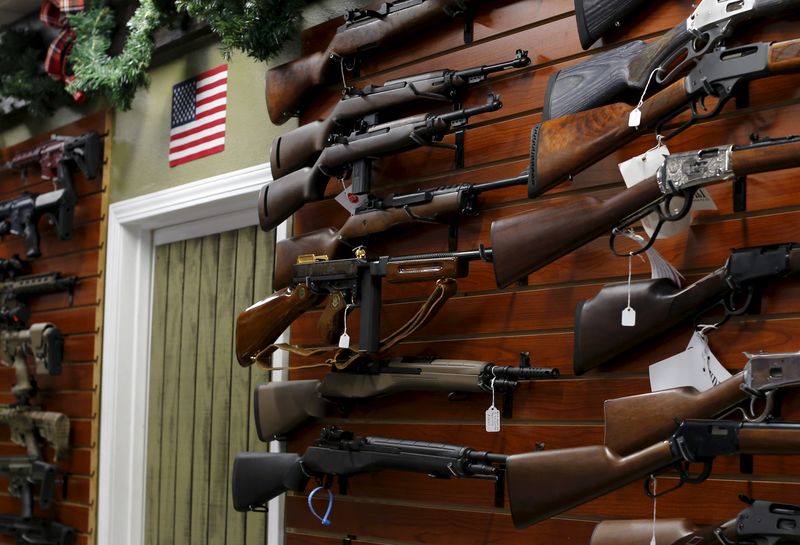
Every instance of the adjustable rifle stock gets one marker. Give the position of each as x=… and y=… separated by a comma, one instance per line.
x=288, y=85
x=561, y=148
x=554, y=231
x=596, y=17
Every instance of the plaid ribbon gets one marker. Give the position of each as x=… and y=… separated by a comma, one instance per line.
x=53, y=13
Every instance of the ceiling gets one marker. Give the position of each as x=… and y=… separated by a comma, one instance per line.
x=12, y=10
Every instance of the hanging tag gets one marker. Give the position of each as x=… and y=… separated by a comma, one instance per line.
x=639, y=168
x=659, y=266
x=349, y=201
x=492, y=419
x=344, y=341
x=655, y=504
x=697, y=366
x=635, y=118
x=628, y=317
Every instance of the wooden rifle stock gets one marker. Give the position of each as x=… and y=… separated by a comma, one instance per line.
x=260, y=325
x=640, y=532
x=289, y=84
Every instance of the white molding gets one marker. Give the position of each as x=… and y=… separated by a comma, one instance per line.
x=135, y=226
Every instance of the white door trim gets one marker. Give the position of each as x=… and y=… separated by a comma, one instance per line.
x=135, y=226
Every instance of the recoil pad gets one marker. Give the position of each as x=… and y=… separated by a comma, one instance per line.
x=596, y=17
x=533, y=189
x=260, y=476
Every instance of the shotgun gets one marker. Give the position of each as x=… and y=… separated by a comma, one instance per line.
x=623, y=72
x=560, y=148
x=289, y=85
x=361, y=109
x=376, y=215
x=546, y=483
x=282, y=197
x=280, y=407
x=552, y=232
x=761, y=523
x=600, y=337
x=259, y=477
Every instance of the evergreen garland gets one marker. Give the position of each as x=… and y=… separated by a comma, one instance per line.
x=22, y=76
x=257, y=27
x=95, y=71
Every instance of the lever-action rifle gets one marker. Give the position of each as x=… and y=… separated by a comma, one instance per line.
x=600, y=337
x=350, y=282
x=553, y=232
x=622, y=74
x=361, y=109
x=36, y=531
x=86, y=151
x=280, y=407
x=281, y=198
x=761, y=523
x=560, y=148
x=288, y=85
x=259, y=477
x=545, y=483
x=376, y=215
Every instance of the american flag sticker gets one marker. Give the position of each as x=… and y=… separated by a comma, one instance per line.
x=199, y=107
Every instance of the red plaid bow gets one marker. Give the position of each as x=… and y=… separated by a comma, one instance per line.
x=54, y=13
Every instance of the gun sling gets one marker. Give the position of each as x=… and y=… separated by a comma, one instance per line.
x=344, y=358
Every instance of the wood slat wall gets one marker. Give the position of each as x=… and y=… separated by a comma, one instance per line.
x=75, y=391
x=482, y=322
x=200, y=399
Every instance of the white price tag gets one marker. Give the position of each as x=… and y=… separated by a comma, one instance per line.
x=492, y=419
x=697, y=366
x=628, y=317
x=344, y=341
x=638, y=169
x=635, y=119
x=349, y=201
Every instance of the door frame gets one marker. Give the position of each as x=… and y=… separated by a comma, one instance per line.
x=135, y=226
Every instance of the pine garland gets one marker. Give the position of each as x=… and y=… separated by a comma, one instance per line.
x=257, y=27
x=118, y=78
x=22, y=76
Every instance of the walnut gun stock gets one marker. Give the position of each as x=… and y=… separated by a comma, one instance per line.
x=301, y=147
x=288, y=85
x=561, y=148
x=623, y=73
x=555, y=231
x=259, y=477
x=599, y=336
x=280, y=407
x=281, y=198
x=640, y=532
x=546, y=483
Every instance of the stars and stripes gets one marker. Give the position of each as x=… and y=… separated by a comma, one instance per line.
x=199, y=108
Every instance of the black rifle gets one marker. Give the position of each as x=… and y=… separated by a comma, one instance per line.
x=25, y=471
x=20, y=216
x=259, y=477
x=351, y=157
x=600, y=337
x=361, y=109
x=86, y=151
x=622, y=74
x=13, y=292
x=280, y=407
x=35, y=531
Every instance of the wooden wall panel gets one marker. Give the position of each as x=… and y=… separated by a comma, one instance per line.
x=75, y=391
x=483, y=322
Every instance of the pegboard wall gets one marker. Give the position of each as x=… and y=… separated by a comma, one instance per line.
x=482, y=322
x=75, y=391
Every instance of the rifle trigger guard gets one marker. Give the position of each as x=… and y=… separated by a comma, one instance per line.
x=648, y=490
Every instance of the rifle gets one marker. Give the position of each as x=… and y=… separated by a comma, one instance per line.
x=600, y=337
x=553, y=232
x=280, y=407
x=290, y=84
x=36, y=530
x=761, y=523
x=623, y=72
x=44, y=342
x=20, y=216
x=280, y=198
x=259, y=477
x=376, y=215
x=28, y=424
x=85, y=151
x=17, y=288
x=545, y=483
x=563, y=147
x=351, y=282
x=22, y=473
x=361, y=109
x=12, y=267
